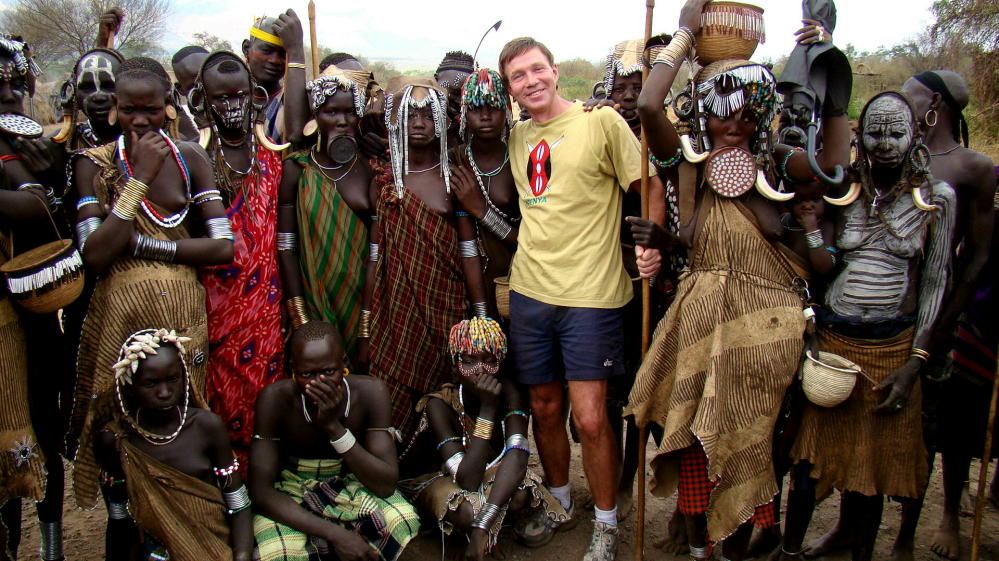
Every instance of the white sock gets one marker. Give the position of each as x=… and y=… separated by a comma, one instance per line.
x=563, y=494
x=608, y=517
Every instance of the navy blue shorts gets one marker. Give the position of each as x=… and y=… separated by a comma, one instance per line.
x=550, y=343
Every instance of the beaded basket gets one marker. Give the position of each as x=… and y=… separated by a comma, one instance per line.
x=46, y=278
x=729, y=30
x=829, y=379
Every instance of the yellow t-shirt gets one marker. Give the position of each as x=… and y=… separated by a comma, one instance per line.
x=571, y=173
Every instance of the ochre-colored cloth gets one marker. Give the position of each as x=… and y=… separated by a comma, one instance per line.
x=244, y=307
x=853, y=449
x=571, y=172
x=185, y=514
x=321, y=486
x=419, y=294
x=332, y=252
x=22, y=464
x=720, y=364
x=132, y=294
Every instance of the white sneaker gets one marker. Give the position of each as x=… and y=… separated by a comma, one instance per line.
x=603, y=544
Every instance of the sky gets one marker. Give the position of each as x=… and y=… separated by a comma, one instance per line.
x=416, y=34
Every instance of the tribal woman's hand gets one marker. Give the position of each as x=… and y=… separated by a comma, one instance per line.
x=648, y=234
x=899, y=385
x=148, y=155
x=487, y=388
x=690, y=15
x=350, y=546
x=477, y=541
x=467, y=190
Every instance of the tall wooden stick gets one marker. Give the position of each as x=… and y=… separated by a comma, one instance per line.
x=643, y=432
x=983, y=470
x=312, y=39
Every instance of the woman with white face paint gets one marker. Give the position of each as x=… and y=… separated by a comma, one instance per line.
x=879, y=313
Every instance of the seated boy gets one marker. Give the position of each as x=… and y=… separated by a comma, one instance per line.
x=471, y=439
x=318, y=491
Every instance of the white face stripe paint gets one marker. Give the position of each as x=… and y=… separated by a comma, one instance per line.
x=887, y=133
x=96, y=67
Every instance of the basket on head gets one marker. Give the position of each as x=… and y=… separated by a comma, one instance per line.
x=829, y=379
x=729, y=30
x=46, y=278
x=503, y=296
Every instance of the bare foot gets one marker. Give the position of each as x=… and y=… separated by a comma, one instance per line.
x=835, y=540
x=947, y=540
x=763, y=542
x=902, y=553
x=625, y=504
x=967, y=501
x=675, y=540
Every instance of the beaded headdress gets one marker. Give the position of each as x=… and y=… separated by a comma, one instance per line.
x=729, y=86
x=479, y=334
x=485, y=87
x=15, y=49
x=327, y=84
x=623, y=60
x=139, y=346
x=414, y=93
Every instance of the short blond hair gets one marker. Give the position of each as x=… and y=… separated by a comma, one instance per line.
x=519, y=46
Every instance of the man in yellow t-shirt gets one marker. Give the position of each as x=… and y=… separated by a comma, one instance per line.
x=568, y=284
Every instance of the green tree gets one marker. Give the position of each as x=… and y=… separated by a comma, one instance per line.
x=211, y=42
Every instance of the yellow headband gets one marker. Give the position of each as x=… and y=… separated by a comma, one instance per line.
x=266, y=37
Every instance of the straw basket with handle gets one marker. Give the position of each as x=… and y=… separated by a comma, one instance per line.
x=46, y=278
x=828, y=379
x=729, y=30
x=503, y=296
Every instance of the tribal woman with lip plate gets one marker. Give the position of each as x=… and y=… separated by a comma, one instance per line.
x=169, y=461
x=491, y=199
x=154, y=189
x=426, y=252
x=89, y=91
x=325, y=214
x=22, y=207
x=244, y=297
x=938, y=98
x=895, y=243
x=728, y=348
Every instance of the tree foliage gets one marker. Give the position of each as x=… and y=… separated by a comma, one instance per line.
x=62, y=30
x=211, y=42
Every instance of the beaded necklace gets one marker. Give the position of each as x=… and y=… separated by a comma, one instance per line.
x=479, y=174
x=163, y=221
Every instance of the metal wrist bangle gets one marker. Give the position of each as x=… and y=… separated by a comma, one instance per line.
x=85, y=228
x=287, y=241
x=237, y=500
x=373, y=253
x=118, y=511
x=495, y=223
x=154, y=249
x=814, y=239
x=486, y=516
x=220, y=229
x=452, y=463
x=480, y=309
x=468, y=248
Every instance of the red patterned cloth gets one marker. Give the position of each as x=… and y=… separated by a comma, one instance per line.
x=419, y=294
x=244, y=307
x=694, y=489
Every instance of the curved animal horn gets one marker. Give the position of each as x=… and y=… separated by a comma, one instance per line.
x=763, y=186
x=847, y=199
x=838, y=174
x=688, y=151
x=267, y=143
x=921, y=204
x=204, y=136
x=67, y=127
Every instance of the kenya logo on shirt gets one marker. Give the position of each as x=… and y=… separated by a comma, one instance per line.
x=539, y=165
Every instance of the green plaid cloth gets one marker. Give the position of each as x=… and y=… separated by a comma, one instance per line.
x=318, y=485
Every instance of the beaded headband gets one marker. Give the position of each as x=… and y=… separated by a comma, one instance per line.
x=416, y=94
x=484, y=88
x=753, y=79
x=327, y=84
x=15, y=49
x=479, y=334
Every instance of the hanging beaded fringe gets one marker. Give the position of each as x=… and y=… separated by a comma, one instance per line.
x=48, y=275
x=734, y=20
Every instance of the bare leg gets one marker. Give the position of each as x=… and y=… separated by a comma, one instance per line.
x=549, y=432
x=800, y=507
x=947, y=540
x=11, y=519
x=675, y=540
x=601, y=455
x=629, y=467
x=868, y=513
x=734, y=546
x=697, y=531
x=841, y=537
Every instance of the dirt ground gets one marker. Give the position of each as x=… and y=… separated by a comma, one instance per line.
x=84, y=531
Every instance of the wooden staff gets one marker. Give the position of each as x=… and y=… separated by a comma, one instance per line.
x=983, y=470
x=312, y=39
x=643, y=432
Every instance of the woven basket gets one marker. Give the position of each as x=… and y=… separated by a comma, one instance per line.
x=63, y=284
x=729, y=30
x=828, y=380
x=503, y=296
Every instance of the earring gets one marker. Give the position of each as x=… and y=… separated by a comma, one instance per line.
x=171, y=112
x=926, y=118
x=310, y=128
x=113, y=116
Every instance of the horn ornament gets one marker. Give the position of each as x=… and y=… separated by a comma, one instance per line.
x=763, y=186
x=688, y=151
x=267, y=143
x=847, y=199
